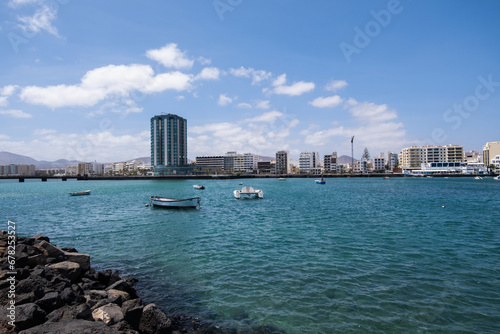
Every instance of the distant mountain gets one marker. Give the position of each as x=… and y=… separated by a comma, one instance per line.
x=345, y=159
x=7, y=158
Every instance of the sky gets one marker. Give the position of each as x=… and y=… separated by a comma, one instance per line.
x=82, y=79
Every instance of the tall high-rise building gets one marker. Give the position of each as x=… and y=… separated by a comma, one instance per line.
x=490, y=151
x=168, y=141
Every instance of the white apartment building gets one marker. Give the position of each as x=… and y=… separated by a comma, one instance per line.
x=490, y=151
x=282, y=162
x=413, y=157
x=308, y=161
x=392, y=160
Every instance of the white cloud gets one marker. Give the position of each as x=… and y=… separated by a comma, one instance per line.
x=296, y=89
x=262, y=104
x=174, y=80
x=256, y=75
x=41, y=20
x=3, y=137
x=335, y=85
x=170, y=56
x=208, y=73
x=106, y=82
x=262, y=134
x=370, y=112
x=8, y=90
x=244, y=105
x=180, y=97
x=224, y=100
x=3, y=101
x=374, y=128
x=15, y=113
x=280, y=81
x=326, y=102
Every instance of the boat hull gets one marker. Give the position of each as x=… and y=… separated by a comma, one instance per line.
x=80, y=193
x=174, y=203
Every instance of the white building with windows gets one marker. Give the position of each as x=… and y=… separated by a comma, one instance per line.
x=379, y=163
x=309, y=161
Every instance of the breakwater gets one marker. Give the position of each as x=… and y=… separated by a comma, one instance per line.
x=48, y=289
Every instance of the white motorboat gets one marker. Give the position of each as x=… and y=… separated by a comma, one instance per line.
x=497, y=178
x=164, y=202
x=80, y=193
x=248, y=192
x=199, y=186
x=478, y=178
x=281, y=179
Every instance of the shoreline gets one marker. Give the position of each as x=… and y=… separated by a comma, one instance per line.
x=52, y=289
x=229, y=177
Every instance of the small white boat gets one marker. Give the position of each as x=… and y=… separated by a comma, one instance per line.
x=478, y=178
x=497, y=178
x=164, y=202
x=199, y=186
x=386, y=177
x=248, y=192
x=281, y=179
x=80, y=193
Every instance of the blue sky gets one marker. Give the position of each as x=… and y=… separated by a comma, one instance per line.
x=81, y=79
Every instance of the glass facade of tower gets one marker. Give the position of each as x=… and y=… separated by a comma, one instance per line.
x=168, y=141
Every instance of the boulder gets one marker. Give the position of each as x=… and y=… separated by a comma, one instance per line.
x=67, y=269
x=110, y=314
x=74, y=326
x=29, y=315
x=132, y=311
x=154, y=321
x=50, y=301
x=50, y=250
x=122, y=295
x=41, y=238
x=82, y=259
x=123, y=285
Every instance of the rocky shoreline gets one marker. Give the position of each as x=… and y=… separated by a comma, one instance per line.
x=55, y=290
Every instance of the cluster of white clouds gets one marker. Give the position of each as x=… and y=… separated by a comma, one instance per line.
x=42, y=19
x=112, y=88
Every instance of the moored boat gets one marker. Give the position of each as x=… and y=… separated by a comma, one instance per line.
x=320, y=181
x=281, y=179
x=248, y=192
x=497, y=178
x=164, y=202
x=80, y=193
x=199, y=186
x=478, y=178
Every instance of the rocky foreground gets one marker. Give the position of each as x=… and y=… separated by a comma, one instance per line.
x=57, y=291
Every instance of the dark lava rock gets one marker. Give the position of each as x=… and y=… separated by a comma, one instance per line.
x=154, y=321
x=76, y=326
x=29, y=315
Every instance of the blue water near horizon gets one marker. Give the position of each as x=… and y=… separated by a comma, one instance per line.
x=351, y=256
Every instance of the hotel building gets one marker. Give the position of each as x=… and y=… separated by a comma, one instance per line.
x=168, y=144
x=309, y=161
x=330, y=162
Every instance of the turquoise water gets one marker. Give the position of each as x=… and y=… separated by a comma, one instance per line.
x=351, y=256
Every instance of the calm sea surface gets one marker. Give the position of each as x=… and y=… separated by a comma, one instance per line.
x=351, y=256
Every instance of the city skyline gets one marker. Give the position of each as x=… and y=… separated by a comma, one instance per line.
x=81, y=81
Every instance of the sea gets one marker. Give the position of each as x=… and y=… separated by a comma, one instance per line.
x=355, y=255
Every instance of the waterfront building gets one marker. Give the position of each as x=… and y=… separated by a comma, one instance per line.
x=264, y=167
x=413, y=157
x=17, y=170
x=83, y=168
x=457, y=167
x=282, y=162
x=213, y=163
x=70, y=170
x=250, y=162
x=379, y=163
x=392, y=160
x=168, y=144
x=330, y=162
x=490, y=151
x=309, y=161
x=97, y=168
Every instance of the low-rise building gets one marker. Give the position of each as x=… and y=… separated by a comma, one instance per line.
x=17, y=170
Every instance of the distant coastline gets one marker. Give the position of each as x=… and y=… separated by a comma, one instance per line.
x=220, y=177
